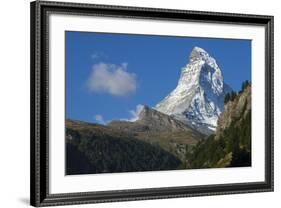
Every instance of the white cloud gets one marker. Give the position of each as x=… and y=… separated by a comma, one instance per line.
x=99, y=119
x=135, y=113
x=112, y=79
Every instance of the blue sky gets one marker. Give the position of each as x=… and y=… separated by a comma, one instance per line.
x=109, y=75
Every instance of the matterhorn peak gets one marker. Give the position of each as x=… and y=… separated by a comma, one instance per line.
x=198, y=53
x=198, y=98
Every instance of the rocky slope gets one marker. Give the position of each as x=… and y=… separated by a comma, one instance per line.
x=236, y=110
x=230, y=146
x=198, y=97
x=152, y=120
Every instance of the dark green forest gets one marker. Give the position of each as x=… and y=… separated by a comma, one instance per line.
x=108, y=154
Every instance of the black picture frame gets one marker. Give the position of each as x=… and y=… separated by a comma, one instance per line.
x=39, y=187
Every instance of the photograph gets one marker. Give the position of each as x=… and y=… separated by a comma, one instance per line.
x=132, y=103
x=137, y=102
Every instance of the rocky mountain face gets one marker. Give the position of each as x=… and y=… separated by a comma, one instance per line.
x=236, y=110
x=152, y=120
x=230, y=146
x=198, y=99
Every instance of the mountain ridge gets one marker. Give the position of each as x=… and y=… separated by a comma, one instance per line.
x=155, y=121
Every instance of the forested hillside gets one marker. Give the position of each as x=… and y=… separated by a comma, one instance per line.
x=93, y=149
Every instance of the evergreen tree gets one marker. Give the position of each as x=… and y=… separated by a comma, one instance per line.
x=245, y=84
x=232, y=96
x=226, y=98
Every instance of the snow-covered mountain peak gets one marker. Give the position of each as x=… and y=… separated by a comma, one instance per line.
x=198, y=53
x=198, y=98
x=200, y=56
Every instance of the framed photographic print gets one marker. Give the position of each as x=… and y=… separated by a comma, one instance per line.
x=132, y=103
